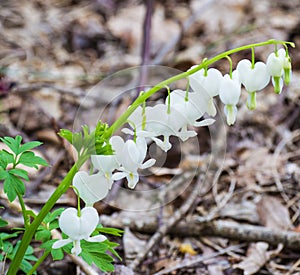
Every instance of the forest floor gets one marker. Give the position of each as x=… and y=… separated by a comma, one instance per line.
x=234, y=207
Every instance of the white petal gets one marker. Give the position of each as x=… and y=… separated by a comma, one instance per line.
x=117, y=144
x=91, y=188
x=209, y=84
x=275, y=64
x=254, y=79
x=211, y=109
x=147, y=164
x=163, y=123
x=127, y=131
x=130, y=157
x=69, y=222
x=231, y=112
x=61, y=243
x=78, y=227
x=164, y=145
x=119, y=175
x=105, y=163
x=184, y=135
x=88, y=221
x=205, y=122
x=230, y=91
x=212, y=81
x=136, y=117
x=76, y=250
x=141, y=145
x=97, y=239
x=243, y=68
x=132, y=180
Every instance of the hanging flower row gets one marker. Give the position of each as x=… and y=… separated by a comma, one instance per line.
x=175, y=117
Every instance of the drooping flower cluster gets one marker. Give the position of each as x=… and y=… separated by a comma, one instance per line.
x=253, y=76
x=181, y=111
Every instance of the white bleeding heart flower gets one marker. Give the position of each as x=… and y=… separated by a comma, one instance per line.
x=166, y=121
x=91, y=188
x=287, y=66
x=207, y=83
x=130, y=156
x=192, y=106
x=253, y=78
x=230, y=91
x=78, y=228
x=275, y=65
x=106, y=164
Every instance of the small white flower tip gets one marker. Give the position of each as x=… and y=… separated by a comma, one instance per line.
x=231, y=112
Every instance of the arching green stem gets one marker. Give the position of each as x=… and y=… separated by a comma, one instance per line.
x=206, y=62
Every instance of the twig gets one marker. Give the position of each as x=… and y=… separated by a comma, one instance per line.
x=170, y=223
x=196, y=260
x=199, y=227
x=37, y=86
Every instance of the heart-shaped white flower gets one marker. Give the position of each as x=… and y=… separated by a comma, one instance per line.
x=207, y=84
x=254, y=79
x=130, y=156
x=230, y=91
x=78, y=228
x=91, y=188
x=275, y=63
x=279, y=65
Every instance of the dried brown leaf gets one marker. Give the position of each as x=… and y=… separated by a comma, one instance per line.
x=132, y=245
x=244, y=210
x=256, y=258
x=273, y=213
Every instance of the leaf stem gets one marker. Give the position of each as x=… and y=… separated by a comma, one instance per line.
x=39, y=262
x=24, y=211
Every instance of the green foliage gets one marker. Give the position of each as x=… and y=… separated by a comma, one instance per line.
x=93, y=142
x=3, y=222
x=50, y=222
x=13, y=185
x=96, y=253
x=57, y=254
x=101, y=143
x=15, y=144
x=31, y=160
x=12, y=175
x=9, y=251
x=109, y=230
